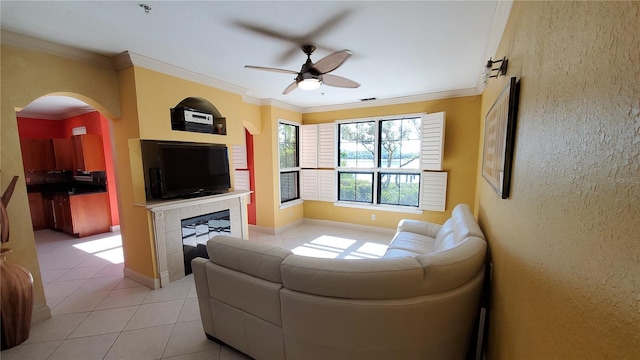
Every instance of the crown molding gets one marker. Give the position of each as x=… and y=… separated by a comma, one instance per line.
x=128, y=58
x=251, y=100
x=31, y=43
x=394, y=101
x=281, y=104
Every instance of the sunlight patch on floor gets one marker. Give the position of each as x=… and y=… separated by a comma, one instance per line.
x=108, y=248
x=332, y=247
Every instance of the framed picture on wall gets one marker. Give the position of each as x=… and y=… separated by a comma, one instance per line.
x=499, y=139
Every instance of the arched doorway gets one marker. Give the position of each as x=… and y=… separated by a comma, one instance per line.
x=72, y=195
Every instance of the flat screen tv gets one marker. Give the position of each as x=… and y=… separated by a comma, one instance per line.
x=189, y=169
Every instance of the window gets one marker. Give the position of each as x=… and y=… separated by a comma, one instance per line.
x=288, y=141
x=379, y=161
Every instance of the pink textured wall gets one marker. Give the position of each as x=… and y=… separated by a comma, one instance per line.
x=566, y=246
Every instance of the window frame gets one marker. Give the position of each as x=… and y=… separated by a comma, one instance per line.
x=377, y=170
x=288, y=170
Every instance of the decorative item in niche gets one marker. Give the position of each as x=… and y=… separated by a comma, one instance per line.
x=219, y=126
x=499, y=139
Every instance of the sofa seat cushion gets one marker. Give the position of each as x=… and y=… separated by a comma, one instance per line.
x=409, y=244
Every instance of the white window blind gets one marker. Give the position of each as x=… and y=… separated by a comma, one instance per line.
x=432, y=141
x=434, y=191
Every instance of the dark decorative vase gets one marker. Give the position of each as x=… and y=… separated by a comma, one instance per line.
x=16, y=301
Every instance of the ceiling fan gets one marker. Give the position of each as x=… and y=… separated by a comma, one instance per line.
x=311, y=75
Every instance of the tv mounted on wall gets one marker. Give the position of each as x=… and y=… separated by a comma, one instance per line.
x=185, y=169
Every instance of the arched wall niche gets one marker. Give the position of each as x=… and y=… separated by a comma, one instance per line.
x=200, y=104
x=203, y=105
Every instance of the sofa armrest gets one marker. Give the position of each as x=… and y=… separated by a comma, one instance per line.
x=419, y=227
x=448, y=269
x=259, y=260
x=202, y=290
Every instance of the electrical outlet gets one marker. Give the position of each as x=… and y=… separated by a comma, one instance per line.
x=373, y=217
x=290, y=213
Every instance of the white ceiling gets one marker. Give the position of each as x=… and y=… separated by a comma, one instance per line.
x=402, y=49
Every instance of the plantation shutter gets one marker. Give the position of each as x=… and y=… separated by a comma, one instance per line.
x=309, y=184
x=239, y=156
x=318, y=185
x=241, y=179
x=309, y=146
x=433, y=191
x=326, y=145
x=432, y=141
x=327, y=186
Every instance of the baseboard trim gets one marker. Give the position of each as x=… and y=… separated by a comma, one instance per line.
x=262, y=229
x=40, y=313
x=344, y=225
x=350, y=226
x=115, y=228
x=145, y=280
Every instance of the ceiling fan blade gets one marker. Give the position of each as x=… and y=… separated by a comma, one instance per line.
x=332, y=61
x=338, y=81
x=271, y=69
x=266, y=32
x=290, y=88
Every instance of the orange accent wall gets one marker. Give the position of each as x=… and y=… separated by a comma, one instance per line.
x=29, y=128
x=251, y=207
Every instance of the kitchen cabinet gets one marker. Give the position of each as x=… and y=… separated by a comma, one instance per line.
x=47, y=203
x=63, y=154
x=82, y=215
x=37, y=154
x=88, y=153
x=62, y=214
x=36, y=206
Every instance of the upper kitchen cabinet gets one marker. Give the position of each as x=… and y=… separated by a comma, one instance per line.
x=88, y=153
x=37, y=154
x=63, y=152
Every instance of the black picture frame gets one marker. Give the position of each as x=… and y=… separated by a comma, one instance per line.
x=499, y=139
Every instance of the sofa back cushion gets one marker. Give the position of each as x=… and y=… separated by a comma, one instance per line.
x=460, y=226
x=259, y=260
x=384, y=278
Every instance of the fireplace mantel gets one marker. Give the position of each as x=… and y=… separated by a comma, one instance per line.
x=168, y=214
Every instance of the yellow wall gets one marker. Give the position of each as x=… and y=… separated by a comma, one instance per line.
x=149, y=97
x=460, y=157
x=266, y=162
x=26, y=76
x=565, y=247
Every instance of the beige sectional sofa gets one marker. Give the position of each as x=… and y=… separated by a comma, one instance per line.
x=419, y=301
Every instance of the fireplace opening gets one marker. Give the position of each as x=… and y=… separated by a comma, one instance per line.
x=197, y=230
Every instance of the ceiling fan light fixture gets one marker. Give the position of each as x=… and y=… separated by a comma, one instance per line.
x=309, y=84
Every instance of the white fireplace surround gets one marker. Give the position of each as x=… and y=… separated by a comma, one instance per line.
x=167, y=217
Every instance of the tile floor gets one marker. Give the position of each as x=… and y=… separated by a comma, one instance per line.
x=99, y=314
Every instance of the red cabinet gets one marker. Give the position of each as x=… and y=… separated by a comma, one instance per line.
x=36, y=207
x=63, y=154
x=88, y=153
x=37, y=154
x=82, y=214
